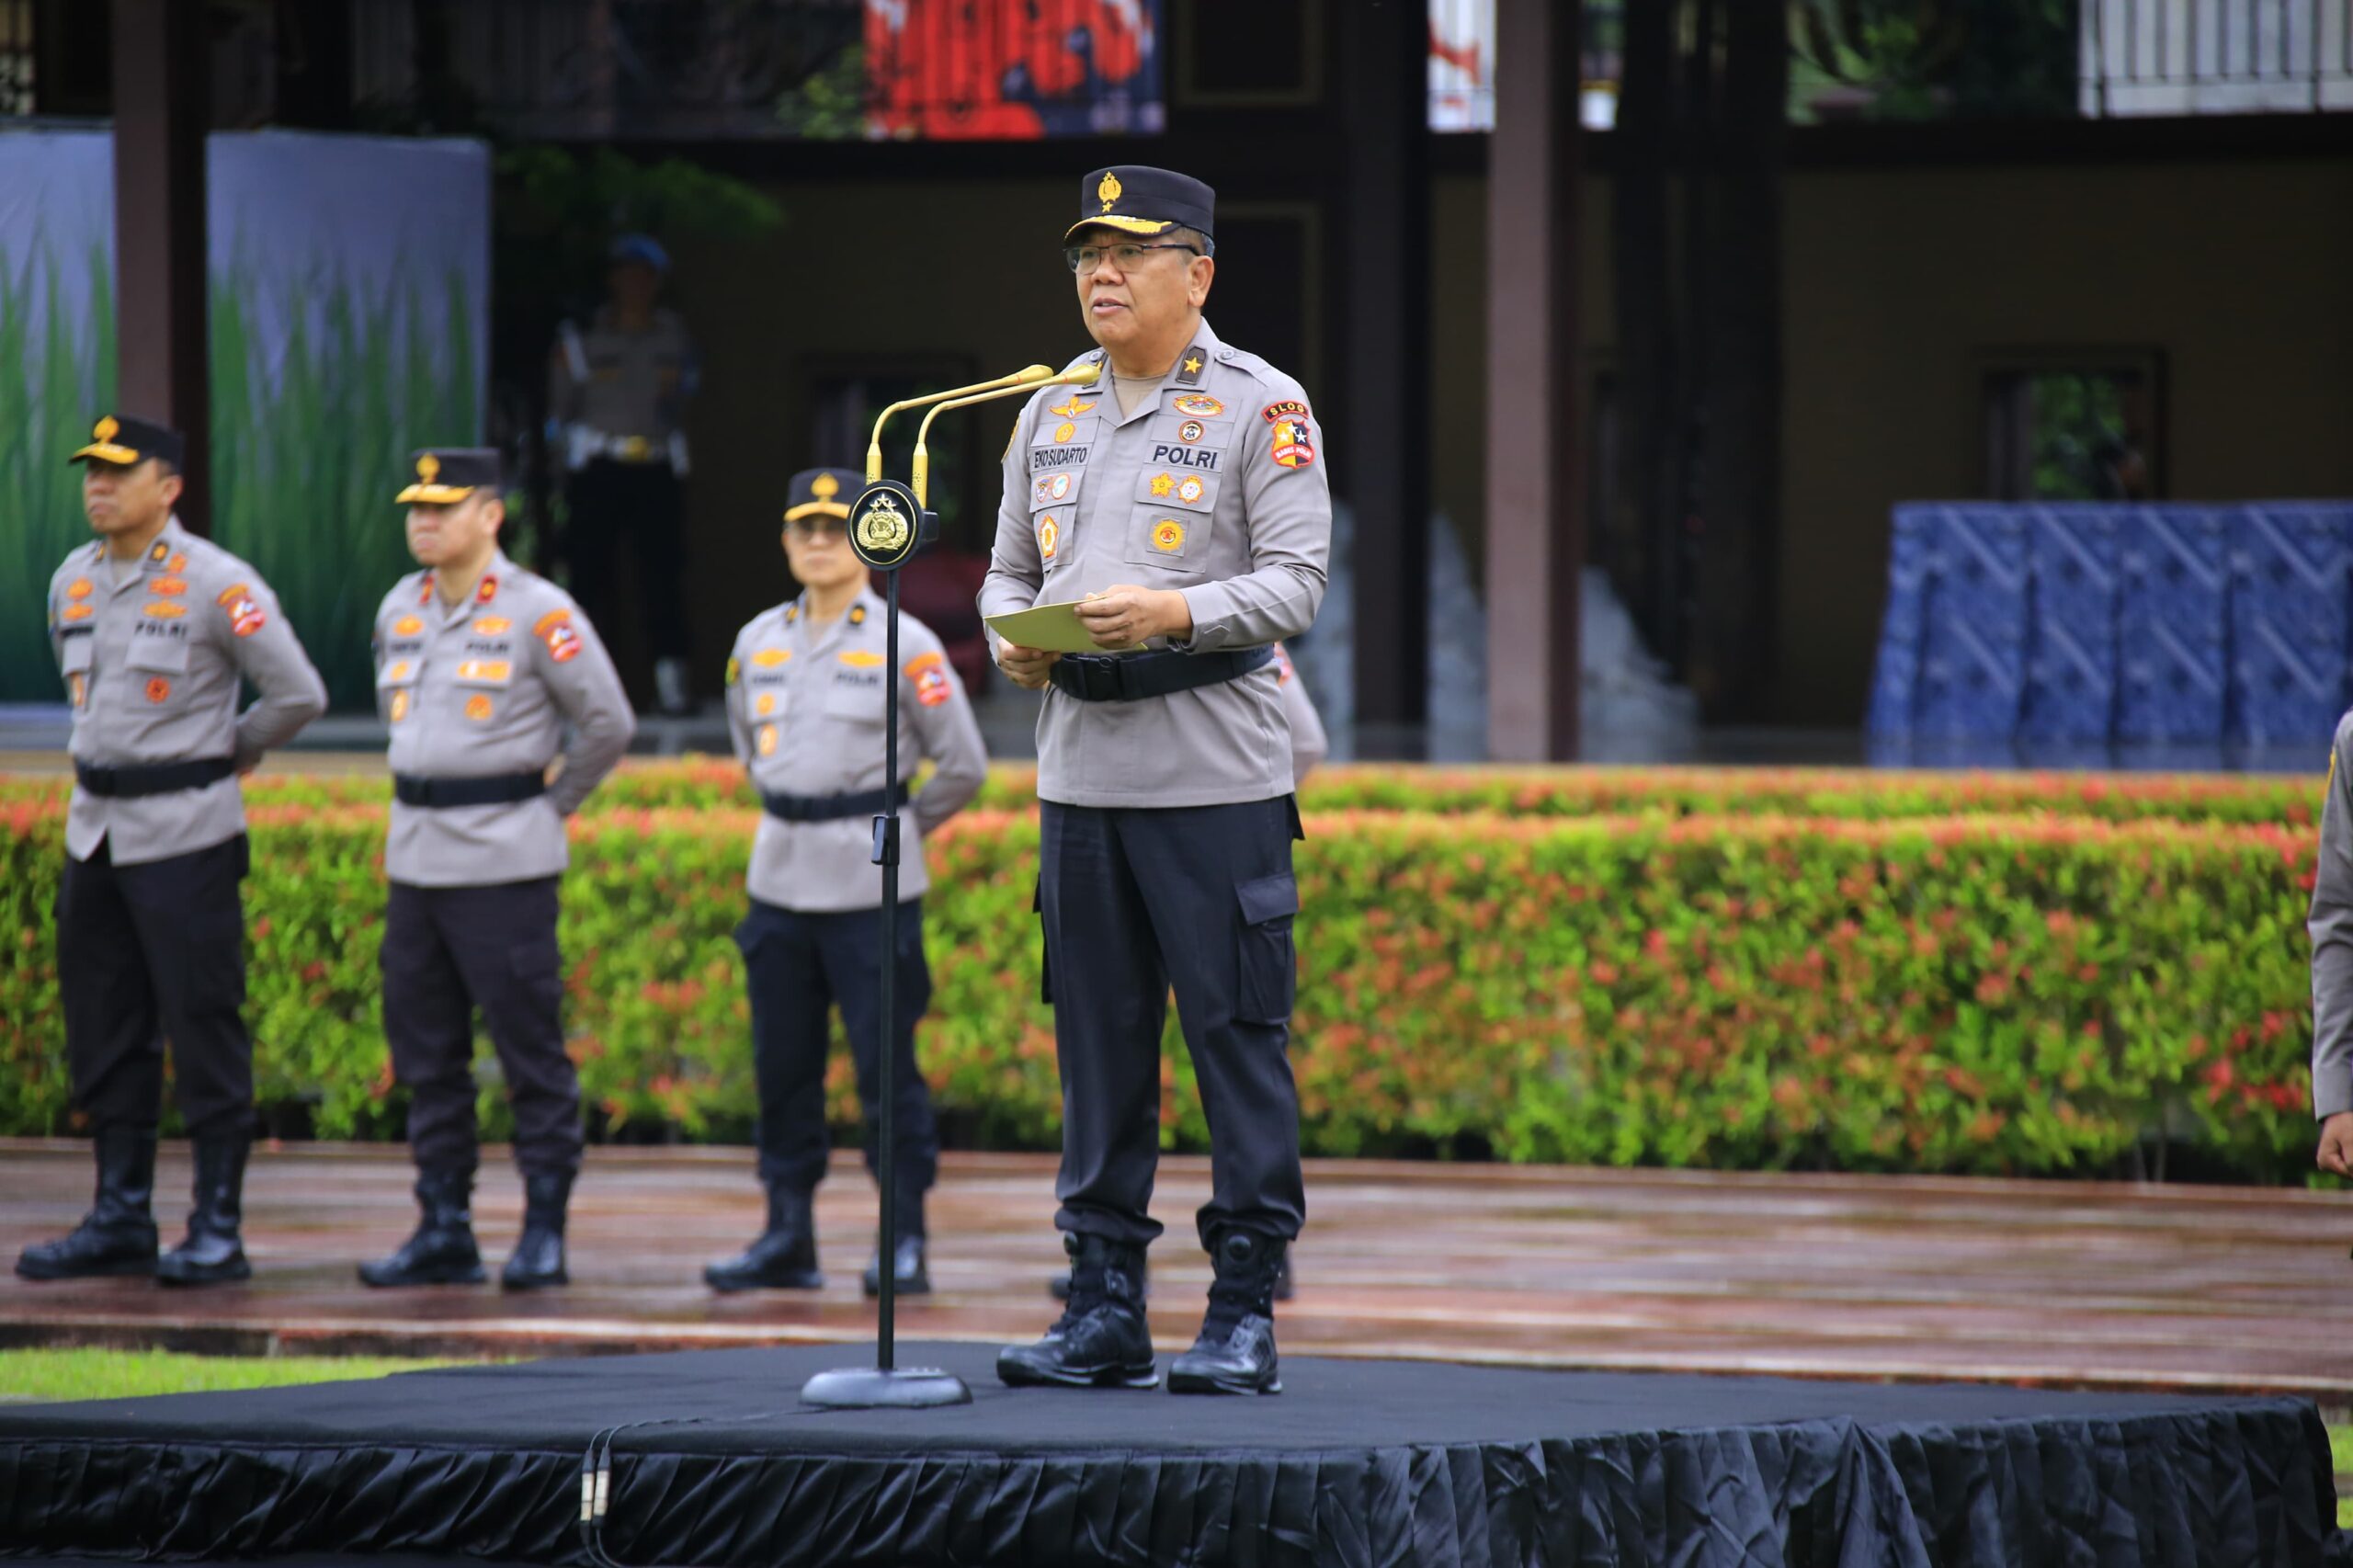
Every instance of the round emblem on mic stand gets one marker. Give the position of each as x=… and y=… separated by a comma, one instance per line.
x=885, y=525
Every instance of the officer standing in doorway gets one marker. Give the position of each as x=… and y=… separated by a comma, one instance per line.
x=1182, y=500
x=155, y=630
x=479, y=666
x=805, y=690
x=618, y=393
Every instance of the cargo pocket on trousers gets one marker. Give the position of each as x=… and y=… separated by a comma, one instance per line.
x=1267, y=971
x=1045, y=974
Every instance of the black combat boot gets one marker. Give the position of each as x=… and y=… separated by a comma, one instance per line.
x=1101, y=1340
x=1059, y=1285
x=1235, y=1353
x=913, y=1278
x=538, y=1258
x=784, y=1258
x=213, y=1253
x=442, y=1252
x=118, y=1235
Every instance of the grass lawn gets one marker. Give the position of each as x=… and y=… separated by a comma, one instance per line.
x=36, y=1376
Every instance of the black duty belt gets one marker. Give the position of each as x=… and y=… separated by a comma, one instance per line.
x=832, y=808
x=151, y=778
x=494, y=789
x=1130, y=677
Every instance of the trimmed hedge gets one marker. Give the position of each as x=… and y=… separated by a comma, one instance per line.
x=1856, y=794
x=1979, y=994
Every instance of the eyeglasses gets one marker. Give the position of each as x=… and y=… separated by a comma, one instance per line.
x=1087, y=258
x=811, y=526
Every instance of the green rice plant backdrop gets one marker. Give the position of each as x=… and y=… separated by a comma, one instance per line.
x=43, y=415
x=305, y=461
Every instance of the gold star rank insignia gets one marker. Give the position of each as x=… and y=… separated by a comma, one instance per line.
x=1164, y=484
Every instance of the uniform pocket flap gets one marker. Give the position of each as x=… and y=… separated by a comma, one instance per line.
x=169, y=655
x=1267, y=898
x=397, y=672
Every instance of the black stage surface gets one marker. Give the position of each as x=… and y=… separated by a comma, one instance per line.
x=1360, y=1463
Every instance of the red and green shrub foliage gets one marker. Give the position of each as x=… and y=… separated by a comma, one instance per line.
x=699, y=782
x=1879, y=991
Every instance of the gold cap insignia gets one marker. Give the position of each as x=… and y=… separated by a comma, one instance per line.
x=105, y=429
x=1109, y=191
x=824, y=486
x=428, y=468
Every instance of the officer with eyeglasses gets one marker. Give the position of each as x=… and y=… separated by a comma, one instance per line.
x=805, y=690
x=1182, y=500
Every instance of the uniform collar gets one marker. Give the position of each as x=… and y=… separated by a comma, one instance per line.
x=169, y=546
x=494, y=577
x=864, y=611
x=1204, y=348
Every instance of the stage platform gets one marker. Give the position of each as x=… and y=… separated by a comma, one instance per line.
x=707, y=1458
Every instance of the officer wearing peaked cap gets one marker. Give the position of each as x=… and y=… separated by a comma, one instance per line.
x=1182, y=499
x=480, y=665
x=155, y=630
x=805, y=690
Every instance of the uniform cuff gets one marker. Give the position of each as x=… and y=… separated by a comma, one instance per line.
x=2332, y=1099
x=1209, y=609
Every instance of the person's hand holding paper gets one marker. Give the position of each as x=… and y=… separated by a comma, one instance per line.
x=1117, y=620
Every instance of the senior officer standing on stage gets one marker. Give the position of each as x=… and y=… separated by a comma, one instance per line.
x=1183, y=498
x=153, y=628
x=805, y=686
x=479, y=665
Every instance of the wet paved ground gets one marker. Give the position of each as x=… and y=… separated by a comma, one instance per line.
x=2066, y=1283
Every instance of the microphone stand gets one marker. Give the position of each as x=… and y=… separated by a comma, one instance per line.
x=889, y=524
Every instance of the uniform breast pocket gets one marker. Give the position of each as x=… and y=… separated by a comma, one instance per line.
x=1169, y=537
x=73, y=664
x=396, y=688
x=855, y=698
x=157, y=667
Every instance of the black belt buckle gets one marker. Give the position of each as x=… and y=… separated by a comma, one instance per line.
x=1100, y=677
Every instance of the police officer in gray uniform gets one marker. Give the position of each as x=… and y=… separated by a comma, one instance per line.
x=154, y=629
x=1183, y=499
x=478, y=667
x=616, y=392
x=2330, y=926
x=805, y=686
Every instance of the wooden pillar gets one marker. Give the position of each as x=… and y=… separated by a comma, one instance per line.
x=1535, y=526
x=161, y=57
x=1382, y=469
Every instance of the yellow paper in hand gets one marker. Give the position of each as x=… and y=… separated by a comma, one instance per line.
x=1051, y=628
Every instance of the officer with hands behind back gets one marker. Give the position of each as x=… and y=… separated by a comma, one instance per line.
x=478, y=667
x=154, y=629
x=805, y=688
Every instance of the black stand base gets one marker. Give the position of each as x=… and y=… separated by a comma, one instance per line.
x=872, y=1388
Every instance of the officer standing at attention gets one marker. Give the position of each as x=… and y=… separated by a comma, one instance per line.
x=154, y=629
x=804, y=708
x=1182, y=499
x=618, y=393
x=479, y=666
x=2331, y=928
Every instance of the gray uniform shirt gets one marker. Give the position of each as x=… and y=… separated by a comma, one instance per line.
x=153, y=662
x=623, y=393
x=804, y=709
x=485, y=687
x=1214, y=486
x=2331, y=924
x=1308, y=742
